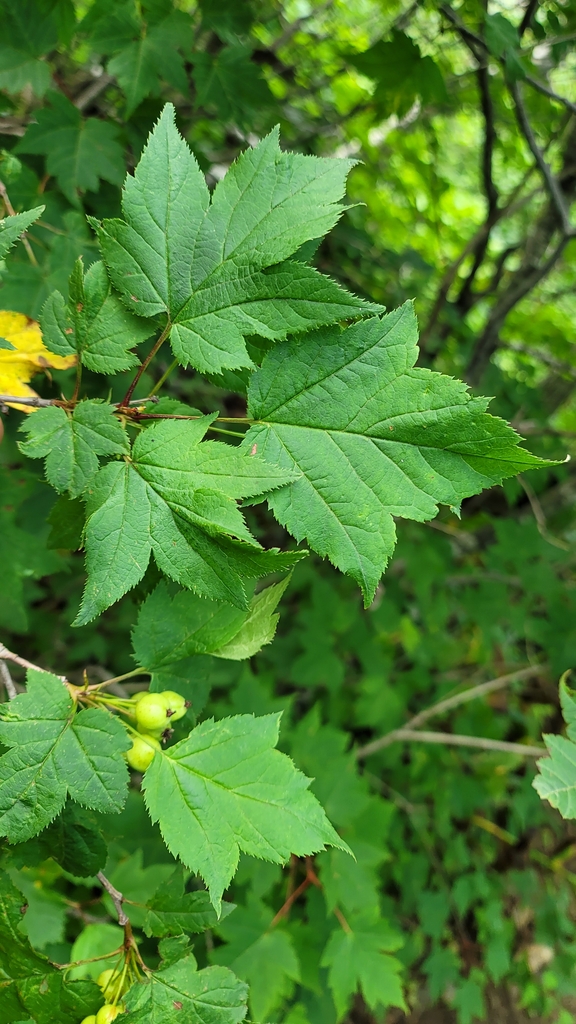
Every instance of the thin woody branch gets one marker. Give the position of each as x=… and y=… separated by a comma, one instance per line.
x=9, y=686
x=550, y=180
x=7, y=655
x=475, y=43
x=479, y=742
x=117, y=899
x=472, y=693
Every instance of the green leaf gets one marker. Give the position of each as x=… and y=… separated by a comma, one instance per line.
x=373, y=438
x=229, y=83
x=181, y=993
x=12, y=227
x=94, y=323
x=67, y=521
x=73, y=840
x=55, y=753
x=19, y=69
x=79, y=153
x=176, y=498
x=557, y=780
x=172, y=911
x=224, y=789
x=45, y=918
x=31, y=985
x=401, y=73
x=153, y=57
x=260, y=625
x=174, y=627
x=202, y=263
x=358, y=960
x=265, y=959
x=71, y=444
x=503, y=41
x=95, y=940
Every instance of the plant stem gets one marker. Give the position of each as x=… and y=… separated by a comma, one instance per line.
x=163, y=378
x=143, y=366
x=10, y=656
x=447, y=705
x=116, y=897
x=11, y=690
x=119, y=679
x=78, y=380
x=230, y=433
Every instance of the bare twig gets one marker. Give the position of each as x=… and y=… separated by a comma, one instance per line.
x=550, y=180
x=84, y=99
x=10, y=656
x=33, y=400
x=523, y=284
x=531, y=8
x=11, y=690
x=489, y=137
x=447, y=705
x=547, y=91
x=116, y=897
x=558, y=365
x=539, y=515
x=480, y=742
x=475, y=42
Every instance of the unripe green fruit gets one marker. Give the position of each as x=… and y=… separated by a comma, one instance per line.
x=89, y=1020
x=108, y=1013
x=110, y=982
x=151, y=712
x=175, y=703
x=141, y=754
x=156, y=733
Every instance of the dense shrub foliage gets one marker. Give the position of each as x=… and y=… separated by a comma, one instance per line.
x=278, y=650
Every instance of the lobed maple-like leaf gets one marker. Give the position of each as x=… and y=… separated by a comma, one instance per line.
x=216, y=266
x=358, y=959
x=93, y=323
x=263, y=957
x=176, y=497
x=56, y=752
x=181, y=994
x=172, y=911
x=71, y=443
x=79, y=152
x=225, y=789
x=371, y=437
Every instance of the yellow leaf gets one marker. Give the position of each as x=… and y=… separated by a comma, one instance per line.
x=29, y=356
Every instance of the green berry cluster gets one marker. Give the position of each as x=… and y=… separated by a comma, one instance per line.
x=112, y=983
x=154, y=713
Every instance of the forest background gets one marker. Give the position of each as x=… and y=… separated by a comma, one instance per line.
x=462, y=119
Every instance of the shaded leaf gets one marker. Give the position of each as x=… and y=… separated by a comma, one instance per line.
x=79, y=152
